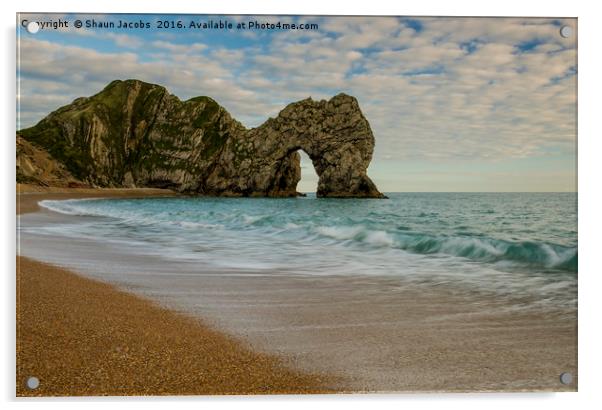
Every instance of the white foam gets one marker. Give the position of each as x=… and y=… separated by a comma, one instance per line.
x=379, y=238
x=340, y=232
x=61, y=207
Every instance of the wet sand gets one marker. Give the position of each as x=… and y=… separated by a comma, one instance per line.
x=83, y=337
x=372, y=334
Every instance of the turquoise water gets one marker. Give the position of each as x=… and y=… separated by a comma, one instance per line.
x=518, y=244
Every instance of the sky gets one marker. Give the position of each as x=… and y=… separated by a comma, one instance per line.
x=455, y=104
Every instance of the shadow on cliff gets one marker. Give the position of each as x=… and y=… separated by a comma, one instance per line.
x=136, y=134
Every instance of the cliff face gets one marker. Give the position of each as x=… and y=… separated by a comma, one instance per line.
x=137, y=134
x=35, y=166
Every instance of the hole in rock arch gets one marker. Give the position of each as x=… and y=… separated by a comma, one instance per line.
x=309, y=179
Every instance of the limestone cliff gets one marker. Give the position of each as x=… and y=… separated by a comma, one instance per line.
x=137, y=134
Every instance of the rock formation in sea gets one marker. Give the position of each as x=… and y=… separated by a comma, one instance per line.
x=136, y=134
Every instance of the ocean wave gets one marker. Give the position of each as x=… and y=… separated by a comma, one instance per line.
x=197, y=225
x=97, y=207
x=340, y=232
x=463, y=241
x=527, y=253
x=376, y=238
x=67, y=207
x=481, y=249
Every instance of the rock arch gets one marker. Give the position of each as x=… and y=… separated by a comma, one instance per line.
x=335, y=135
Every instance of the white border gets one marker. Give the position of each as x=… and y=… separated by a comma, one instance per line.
x=590, y=205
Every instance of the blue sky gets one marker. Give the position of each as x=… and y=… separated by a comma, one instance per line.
x=455, y=104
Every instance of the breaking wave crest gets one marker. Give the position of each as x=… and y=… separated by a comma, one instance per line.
x=477, y=247
x=482, y=249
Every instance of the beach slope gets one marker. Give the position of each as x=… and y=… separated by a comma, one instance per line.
x=82, y=337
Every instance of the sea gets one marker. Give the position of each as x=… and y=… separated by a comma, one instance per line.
x=520, y=246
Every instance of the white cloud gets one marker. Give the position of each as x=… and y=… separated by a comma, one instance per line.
x=454, y=89
x=179, y=48
x=124, y=40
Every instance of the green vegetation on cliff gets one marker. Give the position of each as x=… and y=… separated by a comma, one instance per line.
x=134, y=133
x=129, y=127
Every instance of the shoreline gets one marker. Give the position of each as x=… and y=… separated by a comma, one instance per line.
x=80, y=336
x=374, y=333
x=28, y=196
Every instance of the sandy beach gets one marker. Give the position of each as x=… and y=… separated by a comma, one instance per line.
x=28, y=196
x=290, y=333
x=83, y=337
